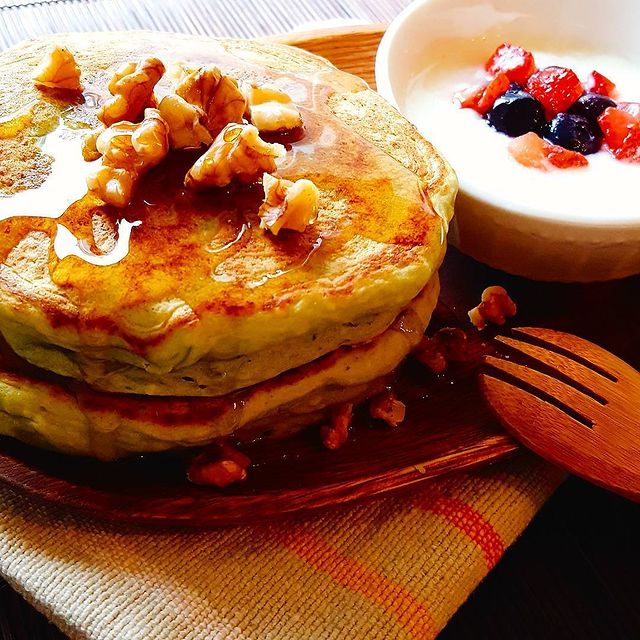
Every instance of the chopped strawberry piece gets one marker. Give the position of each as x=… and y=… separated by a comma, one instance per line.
x=497, y=87
x=469, y=97
x=515, y=62
x=481, y=98
x=562, y=158
x=557, y=88
x=529, y=151
x=597, y=83
x=630, y=149
x=621, y=131
x=616, y=125
x=630, y=107
x=532, y=151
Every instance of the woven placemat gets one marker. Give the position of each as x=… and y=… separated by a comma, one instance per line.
x=395, y=568
x=22, y=19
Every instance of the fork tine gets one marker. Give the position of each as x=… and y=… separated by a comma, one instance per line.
x=558, y=437
x=565, y=365
x=516, y=408
x=579, y=402
x=586, y=350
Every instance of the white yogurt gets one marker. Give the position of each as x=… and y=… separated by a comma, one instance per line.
x=603, y=190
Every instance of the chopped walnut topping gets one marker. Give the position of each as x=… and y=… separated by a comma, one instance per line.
x=430, y=353
x=89, y=149
x=388, y=408
x=455, y=344
x=220, y=468
x=336, y=433
x=59, y=71
x=216, y=94
x=185, y=123
x=178, y=70
x=447, y=345
x=237, y=152
x=495, y=306
x=288, y=205
x=135, y=147
x=132, y=89
x=128, y=150
x=221, y=473
x=272, y=110
x=111, y=184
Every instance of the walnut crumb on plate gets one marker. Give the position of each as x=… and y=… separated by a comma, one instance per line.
x=495, y=307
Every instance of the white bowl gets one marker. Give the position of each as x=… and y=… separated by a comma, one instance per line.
x=566, y=225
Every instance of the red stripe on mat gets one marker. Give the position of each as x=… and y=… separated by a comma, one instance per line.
x=465, y=518
x=412, y=615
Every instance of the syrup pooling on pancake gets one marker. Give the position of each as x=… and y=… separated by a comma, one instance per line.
x=66, y=244
x=65, y=184
x=203, y=254
x=323, y=150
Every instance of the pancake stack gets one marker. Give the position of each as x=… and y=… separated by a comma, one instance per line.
x=176, y=320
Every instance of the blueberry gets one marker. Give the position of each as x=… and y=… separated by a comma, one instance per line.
x=516, y=113
x=591, y=105
x=575, y=133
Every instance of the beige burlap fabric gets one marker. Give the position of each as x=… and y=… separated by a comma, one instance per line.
x=397, y=567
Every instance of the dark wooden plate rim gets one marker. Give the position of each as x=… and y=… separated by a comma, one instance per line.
x=28, y=480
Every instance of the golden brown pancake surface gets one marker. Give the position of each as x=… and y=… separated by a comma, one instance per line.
x=200, y=282
x=53, y=412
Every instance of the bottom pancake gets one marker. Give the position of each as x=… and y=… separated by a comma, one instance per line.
x=57, y=413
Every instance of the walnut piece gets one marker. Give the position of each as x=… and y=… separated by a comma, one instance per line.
x=89, y=149
x=237, y=152
x=135, y=147
x=388, y=408
x=287, y=204
x=112, y=185
x=495, y=306
x=271, y=110
x=216, y=94
x=219, y=468
x=185, y=120
x=132, y=89
x=59, y=71
x=178, y=70
x=446, y=345
x=430, y=353
x=128, y=150
x=336, y=433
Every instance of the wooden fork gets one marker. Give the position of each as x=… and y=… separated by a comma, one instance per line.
x=579, y=408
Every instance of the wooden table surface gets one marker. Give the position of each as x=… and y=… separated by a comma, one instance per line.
x=574, y=573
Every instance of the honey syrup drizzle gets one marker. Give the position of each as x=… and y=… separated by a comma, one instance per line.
x=66, y=183
x=17, y=121
x=330, y=153
x=67, y=244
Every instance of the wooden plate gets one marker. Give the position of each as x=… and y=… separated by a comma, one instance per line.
x=448, y=426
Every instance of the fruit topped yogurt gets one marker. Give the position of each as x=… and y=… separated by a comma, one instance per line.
x=558, y=131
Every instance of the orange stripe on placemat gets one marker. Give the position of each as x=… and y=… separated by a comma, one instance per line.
x=412, y=615
x=465, y=518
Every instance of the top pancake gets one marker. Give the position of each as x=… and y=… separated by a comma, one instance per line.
x=201, y=282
